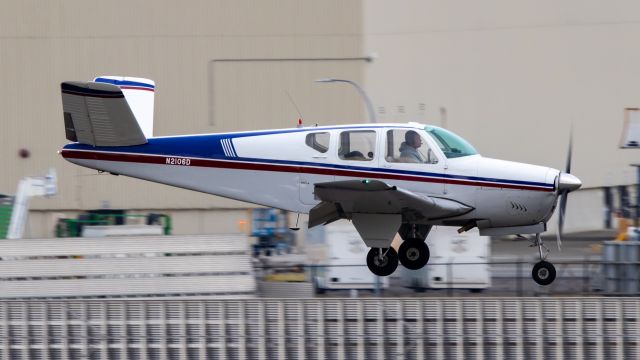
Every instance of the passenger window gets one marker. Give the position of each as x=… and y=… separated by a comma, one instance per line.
x=318, y=141
x=358, y=145
x=408, y=146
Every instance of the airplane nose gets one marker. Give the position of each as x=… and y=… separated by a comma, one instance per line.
x=568, y=182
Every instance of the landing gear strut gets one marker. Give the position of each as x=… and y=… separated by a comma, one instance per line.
x=382, y=261
x=543, y=272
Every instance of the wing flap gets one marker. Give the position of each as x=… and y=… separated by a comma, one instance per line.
x=324, y=213
x=99, y=115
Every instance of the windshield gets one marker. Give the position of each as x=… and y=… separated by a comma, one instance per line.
x=452, y=145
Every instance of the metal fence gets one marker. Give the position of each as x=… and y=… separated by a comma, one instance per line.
x=390, y=328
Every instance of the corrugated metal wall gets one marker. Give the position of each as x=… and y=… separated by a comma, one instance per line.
x=514, y=78
x=174, y=44
x=525, y=328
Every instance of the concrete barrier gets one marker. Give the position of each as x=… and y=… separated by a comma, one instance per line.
x=149, y=266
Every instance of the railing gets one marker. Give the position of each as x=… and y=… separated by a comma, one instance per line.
x=390, y=328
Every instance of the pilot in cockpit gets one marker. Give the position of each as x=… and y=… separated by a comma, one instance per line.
x=409, y=148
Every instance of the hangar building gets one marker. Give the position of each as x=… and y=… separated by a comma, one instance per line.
x=511, y=78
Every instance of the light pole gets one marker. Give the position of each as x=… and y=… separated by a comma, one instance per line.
x=363, y=94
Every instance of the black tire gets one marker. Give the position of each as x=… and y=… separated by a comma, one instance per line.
x=543, y=273
x=414, y=254
x=385, y=266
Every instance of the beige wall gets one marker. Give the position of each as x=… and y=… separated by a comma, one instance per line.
x=174, y=43
x=513, y=76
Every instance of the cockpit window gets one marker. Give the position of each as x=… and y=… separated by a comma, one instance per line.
x=408, y=146
x=452, y=145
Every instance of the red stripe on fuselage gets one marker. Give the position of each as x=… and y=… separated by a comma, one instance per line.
x=243, y=165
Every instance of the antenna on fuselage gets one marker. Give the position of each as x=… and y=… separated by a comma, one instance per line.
x=297, y=108
x=296, y=228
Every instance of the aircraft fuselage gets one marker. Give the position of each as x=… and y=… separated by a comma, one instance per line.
x=278, y=168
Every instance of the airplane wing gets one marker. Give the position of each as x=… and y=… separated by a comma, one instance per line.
x=376, y=197
x=98, y=114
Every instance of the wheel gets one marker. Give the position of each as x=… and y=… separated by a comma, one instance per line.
x=544, y=273
x=414, y=254
x=384, y=266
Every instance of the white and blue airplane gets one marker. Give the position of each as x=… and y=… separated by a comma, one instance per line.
x=385, y=178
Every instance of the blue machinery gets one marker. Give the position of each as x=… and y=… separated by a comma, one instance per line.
x=271, y=227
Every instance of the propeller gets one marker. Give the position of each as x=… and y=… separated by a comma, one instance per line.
x=566, y=184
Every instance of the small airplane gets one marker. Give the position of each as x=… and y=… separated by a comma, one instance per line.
x=385, y=178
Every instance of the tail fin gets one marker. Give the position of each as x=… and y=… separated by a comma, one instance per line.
x=139, y=94
x=112, y=111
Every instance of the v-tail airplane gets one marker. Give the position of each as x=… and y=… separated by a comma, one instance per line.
x=387, y=179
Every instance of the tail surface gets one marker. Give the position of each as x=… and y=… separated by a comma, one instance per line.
x=111, y=111
x=139, y=94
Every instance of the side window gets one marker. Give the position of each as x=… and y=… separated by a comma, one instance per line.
x=318, y=141
x=408, y=146
x=359, y=145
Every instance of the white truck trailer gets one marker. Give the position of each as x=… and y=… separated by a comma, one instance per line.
x=459, y=261
x=338, y=260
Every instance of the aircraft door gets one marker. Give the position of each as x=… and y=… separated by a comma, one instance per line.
x=411, y=160
x=316, y=153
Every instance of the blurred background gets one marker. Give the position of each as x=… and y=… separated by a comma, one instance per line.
x=511, y=78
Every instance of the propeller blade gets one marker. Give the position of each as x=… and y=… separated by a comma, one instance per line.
x=568, y=165
x=568, y=185
x=564, y=196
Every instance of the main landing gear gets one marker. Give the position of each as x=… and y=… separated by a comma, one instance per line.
x=412, y=254
x=543, y=272
x=382, y=261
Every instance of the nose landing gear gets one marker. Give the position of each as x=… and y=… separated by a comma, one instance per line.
x=543, y=272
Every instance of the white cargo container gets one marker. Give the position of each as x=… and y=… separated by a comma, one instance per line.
x=341, y=264
x=457, y=261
